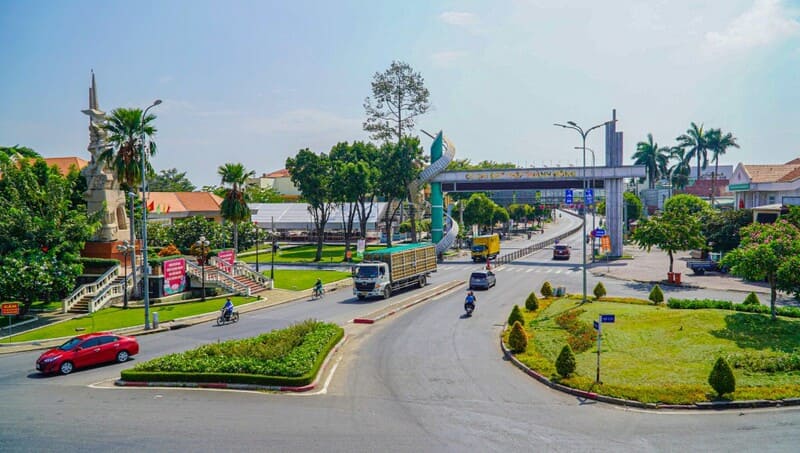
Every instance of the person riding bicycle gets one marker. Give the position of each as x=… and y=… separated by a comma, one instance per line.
x=470, y=300
x=227, y=309
x=318, y=287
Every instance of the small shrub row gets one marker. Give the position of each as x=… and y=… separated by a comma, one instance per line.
x=581, y=334
x=695, y=304
x=765, y=362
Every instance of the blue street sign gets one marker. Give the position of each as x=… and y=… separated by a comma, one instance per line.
x=588, y=196
x=607, y=318
x=568, y=196
x=596, y=325
x=599, y=232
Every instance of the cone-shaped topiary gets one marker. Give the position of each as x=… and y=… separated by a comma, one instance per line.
x=517, y=338
x=516, y=315
x=721, y=378
x=656, y=295
x=565, y=363
x=751, y=299
x=547, y=289
x=532, y=302
x=599, y=290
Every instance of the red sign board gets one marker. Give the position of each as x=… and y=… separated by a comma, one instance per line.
x=174, y=276
x=9, y=309
x=225, y=259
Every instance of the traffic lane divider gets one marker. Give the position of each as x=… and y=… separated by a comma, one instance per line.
x=403, y=304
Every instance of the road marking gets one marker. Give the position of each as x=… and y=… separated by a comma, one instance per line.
x=530, y=270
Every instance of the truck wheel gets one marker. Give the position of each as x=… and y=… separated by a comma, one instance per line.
x=699, y=271
x=422, y=281
x=387, y=292
x=361, y=297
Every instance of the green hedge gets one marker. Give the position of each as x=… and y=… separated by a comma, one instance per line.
x=288, y=357
x=100, y=262
x=695, y=304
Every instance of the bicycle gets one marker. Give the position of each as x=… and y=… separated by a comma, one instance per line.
x=317, y=293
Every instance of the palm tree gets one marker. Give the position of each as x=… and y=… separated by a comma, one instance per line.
x=125, y=127
x=718, y=144
x=695, y=139
x=653, y=158
x=679, y=173
x=234, y=206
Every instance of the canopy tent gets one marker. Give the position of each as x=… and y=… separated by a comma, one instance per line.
x=295, y=216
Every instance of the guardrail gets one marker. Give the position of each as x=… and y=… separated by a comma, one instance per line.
x=532, y=248
x=90, y=289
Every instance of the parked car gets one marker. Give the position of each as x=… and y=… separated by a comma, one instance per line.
x=561, y=252
x=87, y=350
x=482, y=279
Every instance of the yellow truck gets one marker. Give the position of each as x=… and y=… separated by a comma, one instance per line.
x=387, y=270
x=486, y=247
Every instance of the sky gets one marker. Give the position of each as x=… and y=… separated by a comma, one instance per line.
x=256, y=81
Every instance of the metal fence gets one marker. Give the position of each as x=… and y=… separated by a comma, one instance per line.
x=513, y=256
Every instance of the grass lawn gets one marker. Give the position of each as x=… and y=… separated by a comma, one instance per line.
x=306, y=254
x=117, y=318
x=300, y=279
x=656, y=354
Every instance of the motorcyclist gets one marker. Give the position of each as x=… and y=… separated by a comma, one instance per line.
x=469, y=301
x=318, y=287
x=227, y=309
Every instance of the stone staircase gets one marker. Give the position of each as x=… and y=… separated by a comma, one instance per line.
x=255, y=287
x=82, y=306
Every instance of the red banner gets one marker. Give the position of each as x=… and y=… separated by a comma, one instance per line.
x=174, y=276
x=225, y=259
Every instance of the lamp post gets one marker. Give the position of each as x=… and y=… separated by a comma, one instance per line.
x=274, y=250
x=132, y=196
x=125, y=248
x=258, y=239
x=594, y=196
x=203, y=244
x=578, y=129
x=145, y=266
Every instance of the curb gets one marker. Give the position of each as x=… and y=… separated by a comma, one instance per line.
x=232, y=386
x=445, y=287
x=705, y=405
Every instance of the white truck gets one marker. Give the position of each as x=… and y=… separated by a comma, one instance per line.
x=385, y=271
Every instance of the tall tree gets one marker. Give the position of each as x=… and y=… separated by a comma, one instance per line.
x=234, y=205
x=718, y=144
x=671, y=231
x=695, y=141
x=170, y=181
x=43, y=233
x=312, y=174
x=653, y=158
x=397, y=169
x=124, y=128
x=679, y=172
x=479, y=210
x=355, y=178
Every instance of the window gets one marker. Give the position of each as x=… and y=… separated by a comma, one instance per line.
x=90, y=343
x=108, y=339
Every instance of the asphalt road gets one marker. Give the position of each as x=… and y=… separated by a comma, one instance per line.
x=426, y=379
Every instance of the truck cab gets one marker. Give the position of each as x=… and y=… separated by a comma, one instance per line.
x=370, y=279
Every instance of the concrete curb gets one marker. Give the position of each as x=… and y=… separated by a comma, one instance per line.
x=229, y=386
x=379, y=314
x=705, y=405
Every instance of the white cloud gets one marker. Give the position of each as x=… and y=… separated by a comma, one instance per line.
x=459, y=18
x=766, y=22
x=448, y=57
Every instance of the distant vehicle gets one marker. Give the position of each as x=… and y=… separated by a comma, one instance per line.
x=482, y=279
x=387, y=270
x=561, y=252
x=87, y=350
x=486, y=247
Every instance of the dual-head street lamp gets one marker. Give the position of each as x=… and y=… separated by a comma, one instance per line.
x=594, y=195
x=126, y=248
x=145, y=265
x=572, y=125
x=202, y=244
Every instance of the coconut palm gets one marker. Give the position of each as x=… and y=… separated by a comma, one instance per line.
x=234, y=205
x=679, y=173
x=695, y=143
x=125, y=127
x=718, y=144
x=653, y=158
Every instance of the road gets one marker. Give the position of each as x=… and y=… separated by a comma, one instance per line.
x=425, y=379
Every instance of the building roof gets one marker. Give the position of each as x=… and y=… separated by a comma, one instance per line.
x=282, y=173
x=295, y=216
x=787, y=172
x=184, y=202
x=64, y=163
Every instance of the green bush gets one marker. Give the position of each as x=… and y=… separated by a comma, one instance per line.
x=532, y=302
x=751, y=299
x=547, y=289
x=515, y=316
x=765, y=361
x=517, y=338
x=565, y=363
x=695, y=304
x=599, y=290
x=656, y=295
x=721, y=378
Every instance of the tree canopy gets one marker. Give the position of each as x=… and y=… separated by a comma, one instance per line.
x=398, y=97
x=672, y=231
x=170, y=181
x=312, y=174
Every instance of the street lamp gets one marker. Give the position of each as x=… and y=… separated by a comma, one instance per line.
x=125, y=248
x=203, y=244
x=145, y=266
x=578, y=129
x=133, y=246
x=258, y=239
x=594, y=196
x=274, y=250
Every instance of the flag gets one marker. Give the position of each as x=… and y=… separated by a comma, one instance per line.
x=167, y=211
x=151, y=206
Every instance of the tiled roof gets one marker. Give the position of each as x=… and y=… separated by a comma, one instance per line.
x=184, y=202
x=64, y=163
x=282, y=173
x=771, y=173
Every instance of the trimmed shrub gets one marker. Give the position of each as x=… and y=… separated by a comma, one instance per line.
x=751, y=299
x=656, y=295
x=599, y=290
x=547, y=289
x=169, y=250
x=532, y=302
x=565, y=363
x=517, y=338
x=516, y=315
x=721, y=378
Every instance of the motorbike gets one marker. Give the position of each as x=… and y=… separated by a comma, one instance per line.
x=224, y=319
x=469, y=307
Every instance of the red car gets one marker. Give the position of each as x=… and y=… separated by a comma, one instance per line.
x=561, y=252
x=87, y=350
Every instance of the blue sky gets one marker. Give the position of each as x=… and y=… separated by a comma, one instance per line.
x=255, y=81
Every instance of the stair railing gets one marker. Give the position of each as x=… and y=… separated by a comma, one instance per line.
x=243, y=269
x=90, y=289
